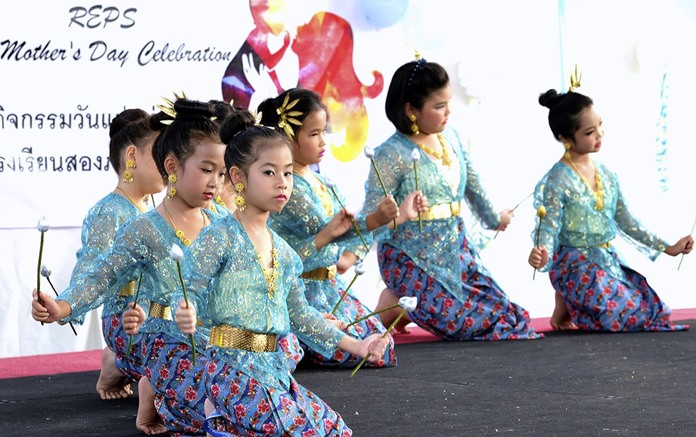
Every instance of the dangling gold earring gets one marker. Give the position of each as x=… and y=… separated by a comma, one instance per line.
x=171, y=190
x=240, y=201
x=127, y=174
x=566, y=155
x=414, y=126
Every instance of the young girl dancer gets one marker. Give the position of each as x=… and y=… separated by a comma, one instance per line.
x=457, y=298
x=303, y=222
x=245, y=282
x=132, y=134
x=189, y=154
x=595, y=289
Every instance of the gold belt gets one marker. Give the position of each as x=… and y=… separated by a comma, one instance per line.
x=160, y=311
x=165, y=312
x=441, y=211
x=127, y=290
x=320, y=274
x=230, y=337
x=606, y=245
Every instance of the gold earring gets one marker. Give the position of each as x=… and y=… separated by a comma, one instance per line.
x=240, y=201
x=127, y=174
x=566, y=155
x=414, y=126
x=171, y=190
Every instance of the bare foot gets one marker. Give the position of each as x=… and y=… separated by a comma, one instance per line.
x=402, y=326
x=148, y=421
x=387, y=299
x=560, y=319
x=209, y=408
x=112, y=384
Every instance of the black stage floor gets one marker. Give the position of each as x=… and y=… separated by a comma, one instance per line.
x=568, y=384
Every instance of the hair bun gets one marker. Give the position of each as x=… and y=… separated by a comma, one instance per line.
x=192, y=109
x=126, y=118
x=237, y=121
x=549, y=98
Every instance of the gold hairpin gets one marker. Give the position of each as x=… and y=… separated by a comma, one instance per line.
x=168, y=108
x=575, y=78
x=287, y=116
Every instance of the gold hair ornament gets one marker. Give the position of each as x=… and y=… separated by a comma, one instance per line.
x=575, y=78
x=170, y=111
x=287, y=116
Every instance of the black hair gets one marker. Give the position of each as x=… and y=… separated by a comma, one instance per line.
x=221, y=109
x=412, y=83
x=245, y=139
x=308, y=101
x=564, y=111
x=194, y=123
x=132, y=126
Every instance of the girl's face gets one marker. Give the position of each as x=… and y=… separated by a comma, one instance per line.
x=432, y=117
x=202, y=174
x=588, y=137
x=269, y=179
x=310, y=143
x=145, y=174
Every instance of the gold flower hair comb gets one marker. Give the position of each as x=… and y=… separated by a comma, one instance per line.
x=575, y=78
x=168, y=108
x=287, y=116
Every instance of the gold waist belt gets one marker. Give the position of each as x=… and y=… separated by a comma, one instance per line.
x=160, y=311
x=441, y=211
x=606, y=245
x=127, y=290
x=320, y=274
x=165, y=312
x=230, y=337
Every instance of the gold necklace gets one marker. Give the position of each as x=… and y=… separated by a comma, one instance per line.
x=179, y=233
x=599, y=194
x=322, y=192
x=130, y=200
x=271, y=275
x=443, y=156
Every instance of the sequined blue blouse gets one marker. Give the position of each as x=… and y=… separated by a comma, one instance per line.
x=436, y=249
x=571, y=219
x=226, y=283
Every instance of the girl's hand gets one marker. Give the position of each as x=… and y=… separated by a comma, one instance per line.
x=538, y=257
x=186, y=318
x=387, y=210
x=339, y=324
x=133, y=319
x=339, y=224
x=373, y=347
x=505, y=219
x=51, y=311
x=412, y=204
x=346, y=261
x=684, y=245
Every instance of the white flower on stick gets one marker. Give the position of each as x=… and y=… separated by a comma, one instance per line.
x=176, y=254
x=415, y=156
x=332, y=186
x=46, y=273
x=42, y=226
x=370, y=154
x=408, y=304
x=359, y=270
